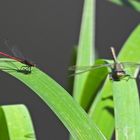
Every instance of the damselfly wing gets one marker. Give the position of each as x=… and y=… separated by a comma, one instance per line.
x=17, y=56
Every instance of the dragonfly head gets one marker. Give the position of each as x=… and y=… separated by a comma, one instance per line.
x=117, y=75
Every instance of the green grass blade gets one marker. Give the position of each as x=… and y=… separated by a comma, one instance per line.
x=86, y=50
x=128, y=92
x=69, y=112
x=130, y=3
x=4, y=134
x=18, y=124
x=102, y=109
x=93, y=83
x=129, y=53
x=127, y=110
x=85, y=53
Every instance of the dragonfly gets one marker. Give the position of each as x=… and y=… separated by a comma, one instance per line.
x=117, y=68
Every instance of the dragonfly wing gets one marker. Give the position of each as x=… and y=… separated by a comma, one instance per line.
x=83, y=69
x=77, y=73
x=133, y=68
x=130, y=64
x=75, y=68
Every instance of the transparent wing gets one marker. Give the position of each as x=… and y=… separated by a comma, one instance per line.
x=16, y=52
x=132, y=68
x=83, y=69
x=130, y=64
x=74, y=68
x=13, y=48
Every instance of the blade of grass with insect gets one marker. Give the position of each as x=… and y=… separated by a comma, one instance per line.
x=62, y=104
x=134, y=4
x=125, y=93
x=15, y=123
x=104, y=100
x=85, y=53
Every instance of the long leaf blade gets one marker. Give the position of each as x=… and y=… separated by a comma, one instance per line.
x=93, y=83
x=85, y=54
x=69, y=112
x=18, y=123
x=102, y=109
x=129, y=53
x=127, y=111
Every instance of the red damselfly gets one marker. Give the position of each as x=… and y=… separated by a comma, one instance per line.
x=27, y=64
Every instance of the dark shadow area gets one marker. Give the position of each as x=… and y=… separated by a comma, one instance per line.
x=107, y=98
x=110, y=110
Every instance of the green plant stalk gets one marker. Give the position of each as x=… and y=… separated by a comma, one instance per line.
x=59, y=100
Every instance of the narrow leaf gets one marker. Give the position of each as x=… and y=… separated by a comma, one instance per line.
x=128, y=92
x=85, y=54
x=127, y=111
x=93, y=83
x=130, y=50
x=69, y=112
x=129, y=53
x=102, y=109
x=18, y=123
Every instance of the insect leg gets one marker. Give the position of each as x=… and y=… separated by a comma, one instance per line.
x=128, y=77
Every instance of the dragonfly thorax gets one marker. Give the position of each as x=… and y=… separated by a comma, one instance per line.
x=118, y=66
x=27, y=63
